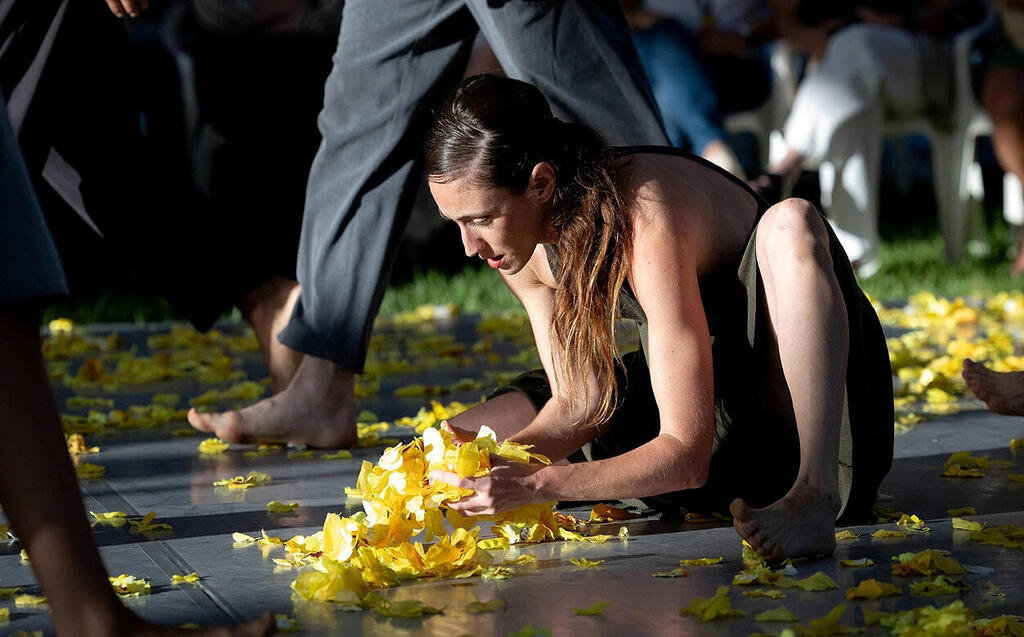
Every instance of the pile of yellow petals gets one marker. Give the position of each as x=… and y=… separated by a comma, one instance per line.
x=129, y=585
x=386, y=543
x=926, y=562
x=912, y=524
x=252, y=479
x=715, y=607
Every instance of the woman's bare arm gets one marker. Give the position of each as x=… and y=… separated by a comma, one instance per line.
x=551, y=432
x=664, y=278
x=665, y=282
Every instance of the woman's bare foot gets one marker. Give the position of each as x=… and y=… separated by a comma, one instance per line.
x=316, y=409
x=801, y=524
x=1002, y=392
x=268, y=308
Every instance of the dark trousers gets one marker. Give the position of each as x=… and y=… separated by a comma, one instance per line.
x=66, y=70
x=395, y=62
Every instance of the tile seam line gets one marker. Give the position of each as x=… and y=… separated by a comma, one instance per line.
x=165, y=556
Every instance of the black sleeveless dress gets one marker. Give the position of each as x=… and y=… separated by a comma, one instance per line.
x=754, y=456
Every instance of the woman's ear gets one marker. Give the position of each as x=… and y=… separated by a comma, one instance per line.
x=542, y=183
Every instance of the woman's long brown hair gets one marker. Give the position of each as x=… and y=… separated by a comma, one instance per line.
x=495, y=130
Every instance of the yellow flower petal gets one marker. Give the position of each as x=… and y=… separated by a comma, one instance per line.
x=817, y=582
x=280, y=507
x=485, y=607
x=213, y=446
x=872, y=589
x=594, y=609
x=780, y=614
x=583, y=562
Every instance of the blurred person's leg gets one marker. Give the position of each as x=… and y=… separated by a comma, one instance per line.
x=685, y=92
x=868, y=72
x=391, y=68
x=1002, y=95
x=68, y=68
x=38, y=486
x=258, y=173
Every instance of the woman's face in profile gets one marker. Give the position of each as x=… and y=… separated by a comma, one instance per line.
x=498, y=225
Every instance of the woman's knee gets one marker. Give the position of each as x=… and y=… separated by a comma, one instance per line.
x=790, y=229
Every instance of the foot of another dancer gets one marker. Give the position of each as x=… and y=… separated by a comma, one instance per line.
x=267, y=308
x=317, y=408
x=801, y=524
x=1002, y=392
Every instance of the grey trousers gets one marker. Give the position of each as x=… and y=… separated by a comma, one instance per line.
x=395, y=62
x=29, y=265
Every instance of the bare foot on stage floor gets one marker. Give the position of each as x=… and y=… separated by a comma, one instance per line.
x=1003, y=392
x=267, y=308
x=316, y=409
x=801, y=524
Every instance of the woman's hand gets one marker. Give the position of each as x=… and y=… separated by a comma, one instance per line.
x=459, y=436
x=507, y=486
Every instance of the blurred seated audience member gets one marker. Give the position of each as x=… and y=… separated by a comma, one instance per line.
x=705, y=60
x=999, y=83
x=871, y=60
x=68, y=73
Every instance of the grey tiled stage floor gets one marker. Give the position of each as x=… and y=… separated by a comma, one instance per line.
x=151, y=471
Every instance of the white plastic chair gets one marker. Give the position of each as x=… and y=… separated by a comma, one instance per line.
x=765, y=121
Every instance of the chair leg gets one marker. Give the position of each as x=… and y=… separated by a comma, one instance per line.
x=1013, y=200
x=947, y=152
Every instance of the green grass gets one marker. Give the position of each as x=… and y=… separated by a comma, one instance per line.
x=915, y=261
x=912, y=261
x=474, y=290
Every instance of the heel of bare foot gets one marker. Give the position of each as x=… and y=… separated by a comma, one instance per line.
x=316, y=409
x=1002, y=392
x=802, y=524
x=268, y=308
